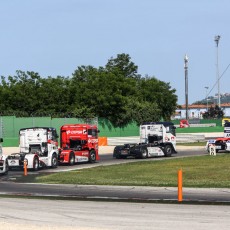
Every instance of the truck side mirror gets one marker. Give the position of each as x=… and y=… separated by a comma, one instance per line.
x=98, y=131
x=1, y=139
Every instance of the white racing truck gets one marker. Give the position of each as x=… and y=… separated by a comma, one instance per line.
x=38, y=148
x=3, y=161
x=156, y=139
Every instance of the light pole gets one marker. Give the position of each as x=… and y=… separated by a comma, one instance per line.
x=217, y=39
x=206, y=87
x=186, y=83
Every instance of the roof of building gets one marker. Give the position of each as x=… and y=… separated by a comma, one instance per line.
x=223, y=105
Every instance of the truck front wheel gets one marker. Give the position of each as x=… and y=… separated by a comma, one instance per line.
x=6, y=168
x=144, y=153
x=92, y=156
x=54, y=161
x=71, y=159
x=168, y=150
x=35, y=163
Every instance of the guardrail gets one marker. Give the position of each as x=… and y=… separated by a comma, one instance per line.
x=181, y=138
x=200, y=125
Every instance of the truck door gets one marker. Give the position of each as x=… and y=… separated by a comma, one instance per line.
x=171, y=134
x=143, y=135
x=22, y=142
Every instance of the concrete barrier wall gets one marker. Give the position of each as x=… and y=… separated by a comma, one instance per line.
x=200, y=125
x=181, y=138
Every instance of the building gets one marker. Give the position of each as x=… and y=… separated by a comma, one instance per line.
x=196, y=111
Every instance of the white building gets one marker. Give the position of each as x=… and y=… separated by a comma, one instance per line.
x=196, y=111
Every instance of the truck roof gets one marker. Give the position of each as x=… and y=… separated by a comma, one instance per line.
x=79, y=125
x=165, y=123
x=47, y=128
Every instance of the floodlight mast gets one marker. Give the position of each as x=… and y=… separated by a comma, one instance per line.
x=206, y=87
x=186, y=84
x=217, y=39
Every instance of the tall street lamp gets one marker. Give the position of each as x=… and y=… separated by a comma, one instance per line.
x=186, y=83
x=206, y=87
x=217, y=39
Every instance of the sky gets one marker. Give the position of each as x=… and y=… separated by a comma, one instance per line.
x=54, y=37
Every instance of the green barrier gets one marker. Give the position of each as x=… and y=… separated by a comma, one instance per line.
x=10, y=142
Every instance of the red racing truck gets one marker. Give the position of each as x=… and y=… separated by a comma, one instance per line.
x=78, y=143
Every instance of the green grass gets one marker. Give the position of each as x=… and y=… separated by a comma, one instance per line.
x=203, y=171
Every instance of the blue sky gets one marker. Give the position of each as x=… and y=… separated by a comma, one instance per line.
x=54, y=37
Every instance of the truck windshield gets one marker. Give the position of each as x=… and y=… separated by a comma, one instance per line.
x=171, y=129
x=92, y=132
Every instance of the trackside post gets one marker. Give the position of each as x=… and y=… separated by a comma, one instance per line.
x=180, y=195
x=25, y=167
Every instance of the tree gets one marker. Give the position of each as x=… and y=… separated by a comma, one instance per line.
x=115, y=92
x=103, y=93
x=214, y=113
x=155, y=91
x=123, y=65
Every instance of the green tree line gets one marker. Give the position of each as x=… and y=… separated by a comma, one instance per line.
x=115, y=92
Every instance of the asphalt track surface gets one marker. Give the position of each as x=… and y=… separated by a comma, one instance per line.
x=10, y=186
x=43, y=214
x=36, y=214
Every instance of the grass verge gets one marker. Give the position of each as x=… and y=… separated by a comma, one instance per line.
x=203, y=171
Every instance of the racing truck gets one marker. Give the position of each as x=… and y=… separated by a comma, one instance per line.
x=78, y=143
x=38, y=148
x=3, y=161
x=156, y=139
x=221, y=143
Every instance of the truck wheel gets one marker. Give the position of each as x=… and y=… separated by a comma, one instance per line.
x=36, y=163
x=144, y=153
x=6, y=168
x=225, y=147
x=71, y=159
x=168, y=150
x=92, y=156
x=118, y=156
x=54, y=161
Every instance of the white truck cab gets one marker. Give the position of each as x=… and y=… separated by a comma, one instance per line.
x=38, y=148
x=156, y=139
